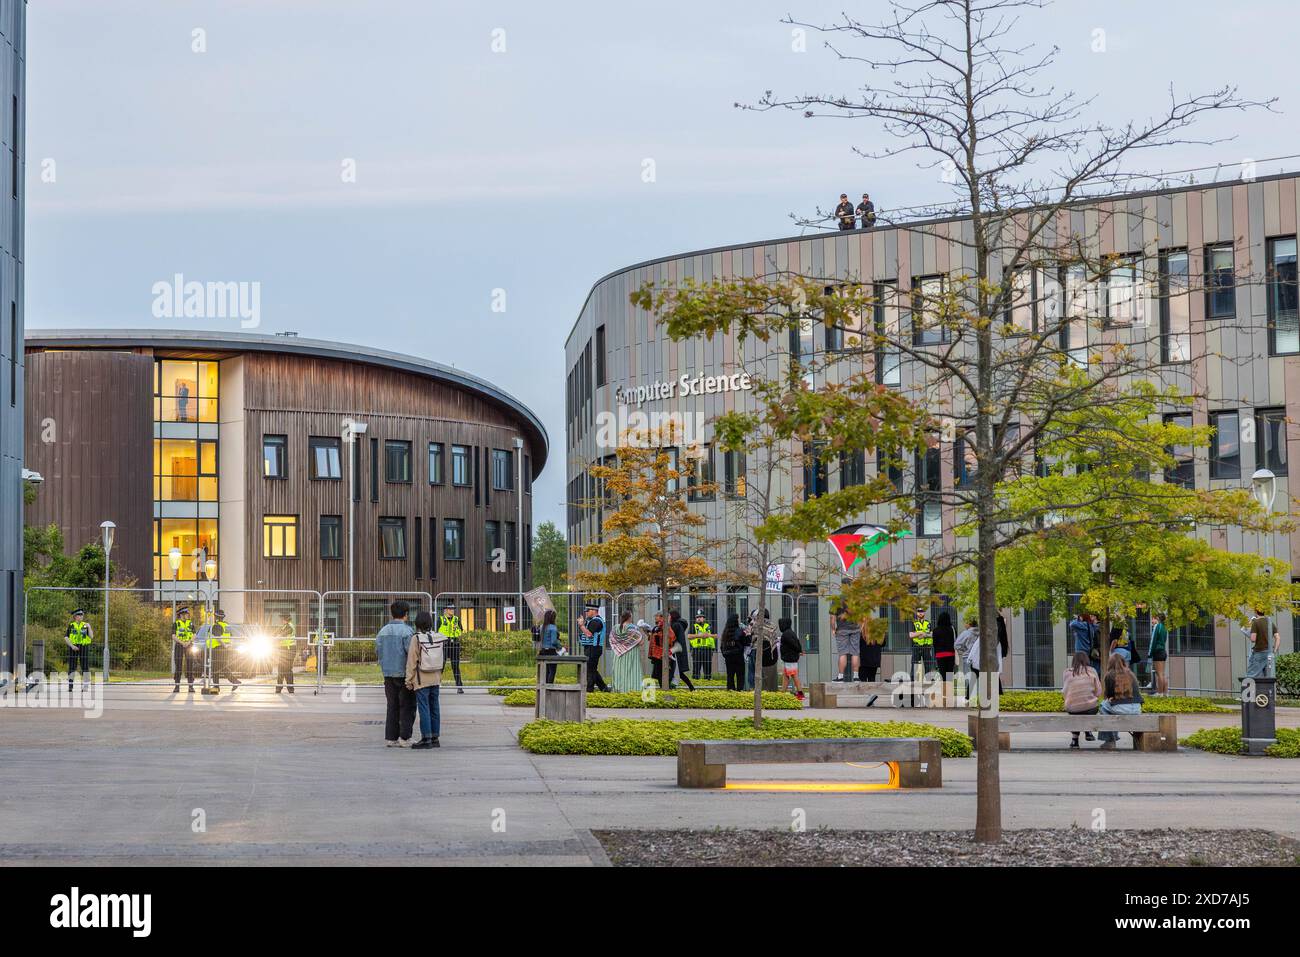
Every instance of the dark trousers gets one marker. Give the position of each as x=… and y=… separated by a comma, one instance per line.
x=946, y=665
x=453, y=659
x=1075, y=734
x=735, y=671
x=657, y=670
x=678, y=667
x=181, y=653
x=867, y=672
x=550, y=669
x=400, y=716
x=78, y=660
x=284, y=667
x=594, y=680
x=702, y=662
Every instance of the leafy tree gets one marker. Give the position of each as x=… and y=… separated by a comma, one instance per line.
x=550, y=557
x=649, y=536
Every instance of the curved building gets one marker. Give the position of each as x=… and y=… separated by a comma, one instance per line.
x=621, y=364
x=238, y=447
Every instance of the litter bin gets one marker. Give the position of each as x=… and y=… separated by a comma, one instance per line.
x=1258, y=715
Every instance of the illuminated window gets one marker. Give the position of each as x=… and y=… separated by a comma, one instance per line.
x=185, y=390
x=185, y=470
x=195, y=537
x=280, y=536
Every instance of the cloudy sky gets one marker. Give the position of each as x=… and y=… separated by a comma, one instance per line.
x=479, y=168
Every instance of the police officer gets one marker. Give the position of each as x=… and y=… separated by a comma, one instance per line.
x=844, y=212
x=449, y=628
x=702, y=645
x=866, y=212
x=79, y=636
x=286, y=653
x=182, y=645
x=922, y=647
x=219, y=646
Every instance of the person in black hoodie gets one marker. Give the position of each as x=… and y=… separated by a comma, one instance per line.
x=1004, y=645
x=791, y=652
x=732, y=646
x=945, y=638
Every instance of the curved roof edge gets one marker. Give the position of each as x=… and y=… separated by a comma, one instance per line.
x=903, y=224
x=293, y=345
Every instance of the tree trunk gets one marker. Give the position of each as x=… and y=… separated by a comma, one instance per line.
x=988, y=788
x=665, y=638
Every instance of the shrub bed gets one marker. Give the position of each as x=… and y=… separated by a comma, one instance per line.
x=1055, y=701
x=1228, y=741
x=1288, y=674
x=632, y=736
x=774, y=700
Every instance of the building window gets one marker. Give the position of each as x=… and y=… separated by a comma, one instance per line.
x=887, y=462
x=1220, y=282
x=931, y=323
x=699, y=484
x=528, y=475
x=1076, y=292
x=193, y=536
x=435, y=463
x=491, y=540
x=460, y=465
x=814, y=471
x=1040, y=671
x=13, y=354
x=326, y=458
x=503, y=470
x=600, y=356
x=185, y=390
x=733, y=465
x=433, y=549
x=929, y=508
x=1122, y=300
x=853, y=468
x=185, y=470
x=1283, y=319
x=392, y=538
x=280, y=536
x=963, y=459
x=1183, y=471
x=331, y=536
x=673, y=485
x=397, y=462
x=1020, y=316
x=275, y=456
x=1225, y=446
x=1175, y=307
x=888, y=326
x=511, y=543
x=453, y=539
x=1195, y=640
x=1270, y=426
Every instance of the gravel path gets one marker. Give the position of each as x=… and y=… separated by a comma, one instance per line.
x=1049, y=848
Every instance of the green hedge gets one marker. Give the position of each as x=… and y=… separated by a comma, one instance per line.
x=1228, y=741
x=1055, y=701
x=633, y=736
x=772, y=700
x=1288, y=674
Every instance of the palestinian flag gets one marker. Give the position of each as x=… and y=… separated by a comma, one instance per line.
x=853, y=543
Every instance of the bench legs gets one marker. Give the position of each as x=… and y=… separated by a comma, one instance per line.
x=822, y=697
x=692, y=772
x=926, y=773
x=972, y=731
x=1166, y=739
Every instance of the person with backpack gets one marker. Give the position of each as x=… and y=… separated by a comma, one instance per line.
x=392, y=648
x=1260, y=664
x=732, y=646
x=425, y=660
x=791, y=652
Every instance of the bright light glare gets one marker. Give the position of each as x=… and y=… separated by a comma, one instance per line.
x=257, y=646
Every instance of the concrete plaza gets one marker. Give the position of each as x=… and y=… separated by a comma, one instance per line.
x=307, y=780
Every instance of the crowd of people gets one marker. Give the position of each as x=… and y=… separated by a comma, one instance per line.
x=863, y=216
x=689, y=650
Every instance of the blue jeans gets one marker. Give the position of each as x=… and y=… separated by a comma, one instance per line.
x=1108, y=708
x=426, y=703
x=1260, y=665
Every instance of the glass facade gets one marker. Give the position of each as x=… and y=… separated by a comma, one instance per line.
x=186, y=465
x=186, y=390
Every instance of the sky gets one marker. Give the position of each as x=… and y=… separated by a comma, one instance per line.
x=393, y=172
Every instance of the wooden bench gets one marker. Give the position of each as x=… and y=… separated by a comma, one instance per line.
x=848, y=694
x=1151, y=732
x=914, y=762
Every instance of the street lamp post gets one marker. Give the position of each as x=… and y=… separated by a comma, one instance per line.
x=519, y=524
x=1264, y=488
x=107, y=528
x=352, y=429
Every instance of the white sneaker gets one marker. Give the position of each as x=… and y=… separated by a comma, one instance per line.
x=404, y=743
x=391, y=744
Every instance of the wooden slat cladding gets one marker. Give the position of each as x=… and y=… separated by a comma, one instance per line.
x=98, y=407
x=300, y=398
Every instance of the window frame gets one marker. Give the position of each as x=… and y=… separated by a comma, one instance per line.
x=327, y=442
x=1218, y=470
x=1272, y=286
x=1166, y=295
x=462, y=454
x=391, y=522
x=398, y=445
x=283, y=445
x=1214, y=286
x=458, y=524
x=268, y=525
x=437, y=464
x=337, y=522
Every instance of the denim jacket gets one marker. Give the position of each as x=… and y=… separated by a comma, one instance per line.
x=391, y=646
